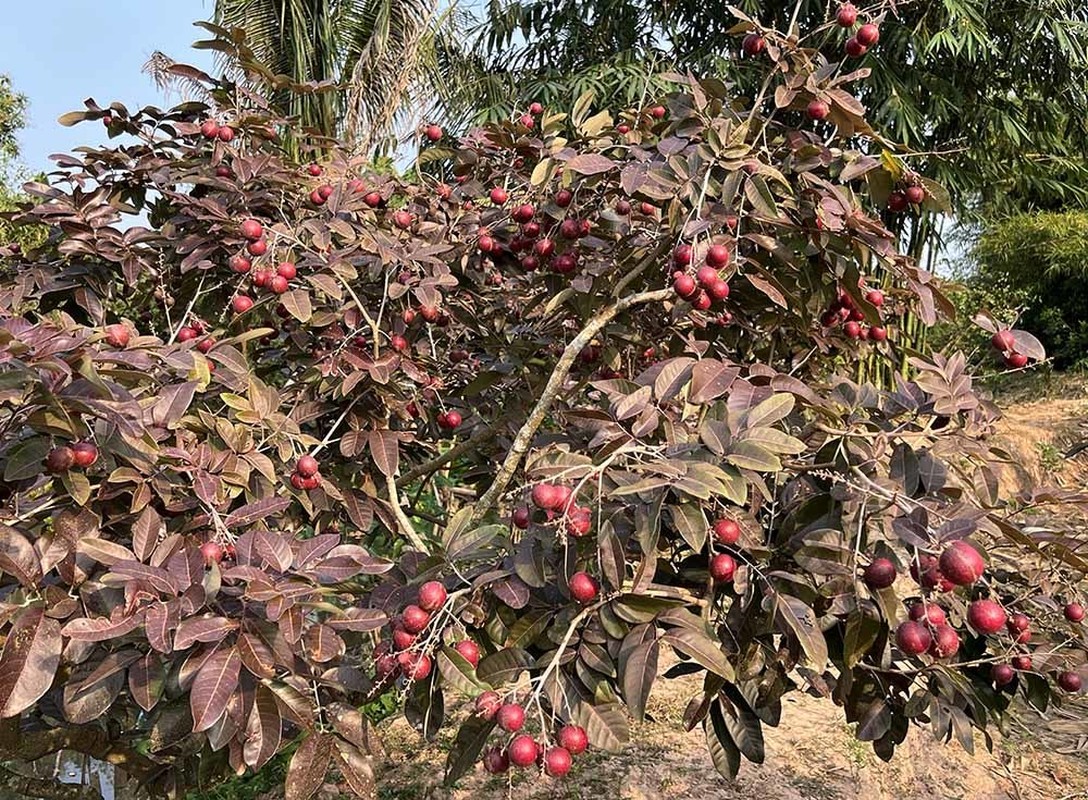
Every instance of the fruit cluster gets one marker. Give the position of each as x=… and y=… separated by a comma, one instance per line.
x=522, y=750
x=404, y=653
x=909, y=192
x=927, y=629
x=723, y=566
x=63, y=458
x=866, y=36
x=707, y=286
x=1004, y=342
x=306, y=475
x=844, y=311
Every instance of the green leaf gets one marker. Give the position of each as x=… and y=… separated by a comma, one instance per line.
x=25, y=460
x=748, y=455
x=504, y=666
x=723, y=751
x=688, y=518
x=471, y=542
x=801, y=621
x=466, y=748
x=606, y=725
x=459, y=673
x=770, y=411
x=638, y=670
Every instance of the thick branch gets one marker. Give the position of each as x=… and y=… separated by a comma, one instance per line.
x=478, y=438
x=555, y=383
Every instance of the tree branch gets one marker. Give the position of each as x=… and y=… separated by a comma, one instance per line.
x=434, y=464
x=543, y=405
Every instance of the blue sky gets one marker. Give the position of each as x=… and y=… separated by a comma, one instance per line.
x=59, y=52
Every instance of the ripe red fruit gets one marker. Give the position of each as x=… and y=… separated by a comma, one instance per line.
x=311, y=483
x=296, y=481
x=209, y=129
x=852, y=329
x=432, y=596
x=522, y=751
x=317, y=198
x=546, y=496
x=880, y=574
x=753, y=44
x=875, y=297
x=1016, y=360
x=1002, y=674
x=414, y=619
x=257, y=248
x=287, y=270
x=252, y=229
x=565, y=263
x=681, y=256
x=562, y=497
x=325, y=190
x=718, y=290
x=206, y=344
x=307, y=466
x=84, y=454
x=398, y=343
x=241, y=303
x=1003, y=341
x=429, y=313
x=583, y=587
x=563, y=198
x=449, y=420
x=946, y=642
x=701, y=301
x=226, y=133
x=961, y=563
x=521, y=517
x=623, y=207
x=402, y=640
x=915, y=194
x=433, y=132
x=1021, y=663
x=726, y=531
x=523, y=213
x=314, y=170
x=854, y=48
x=847, y=15
x=240, y=264
x=261, y=278
x=706, y=276
x=897, y=201
x=1018, y=623
x=868, y=35
x=488, y=705
x=510, y=718
x=212, y=552
x=578, y=522
x=355, y=186
x=913, y=638
x=658, y=112
x=623, y=128
x=60, y=459
x=372, y=199
x=469, y=650
x=717, y=256
x=544, y=247
x=418, y=666
x=1074, y=612
x=496, y=761
x=573, y=739
x=118, y=335
x=930, y=612
x=278, y=284
x=647, y=208
x=818, y=109
x=1069, y=681
x=186, y=334
x=556, y=761
x=722, y=568
x=402, y=219
x=684, y=285
x=498, y=196
x=986, y=616
x=536, y=108
x=878, y=334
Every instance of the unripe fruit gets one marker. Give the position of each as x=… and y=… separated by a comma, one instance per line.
x=931, y=612
x=986, y=616
x=212, y=552
x=684, y=285
x=1074, y=612
x=961, y=564
x=488, y=705
x=510, y=718
x=118, y=335
x=522, y=751
x=496, y=761
x=946, y=642
x=252, y=229
x=573, y=739
x=1069, y=681
x=307, y=466
x=913, y=638
x=432, y=596
x=818, y=110
x=880, y=574
x=1002, y=674
x=1003, y=341
x=209, y=129
x=753, y=44
x=257, y=248
x=414, y=619
x=226, y=133
x=433, y=133
x=1016, y=361
x=706, y=276
x=1021, y=663
x=84, y=454
x=854, y=48
x=521, y=517
x=556, y=762
x=583, y=588
x=717, y=256
x=726, y=531
x=847, y=15
x=469, y=650
x=60, y=459
x=868, y=35
x=722, y=568
x=915, y=194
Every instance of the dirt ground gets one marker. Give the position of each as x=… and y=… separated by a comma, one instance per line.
x=813, y=754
